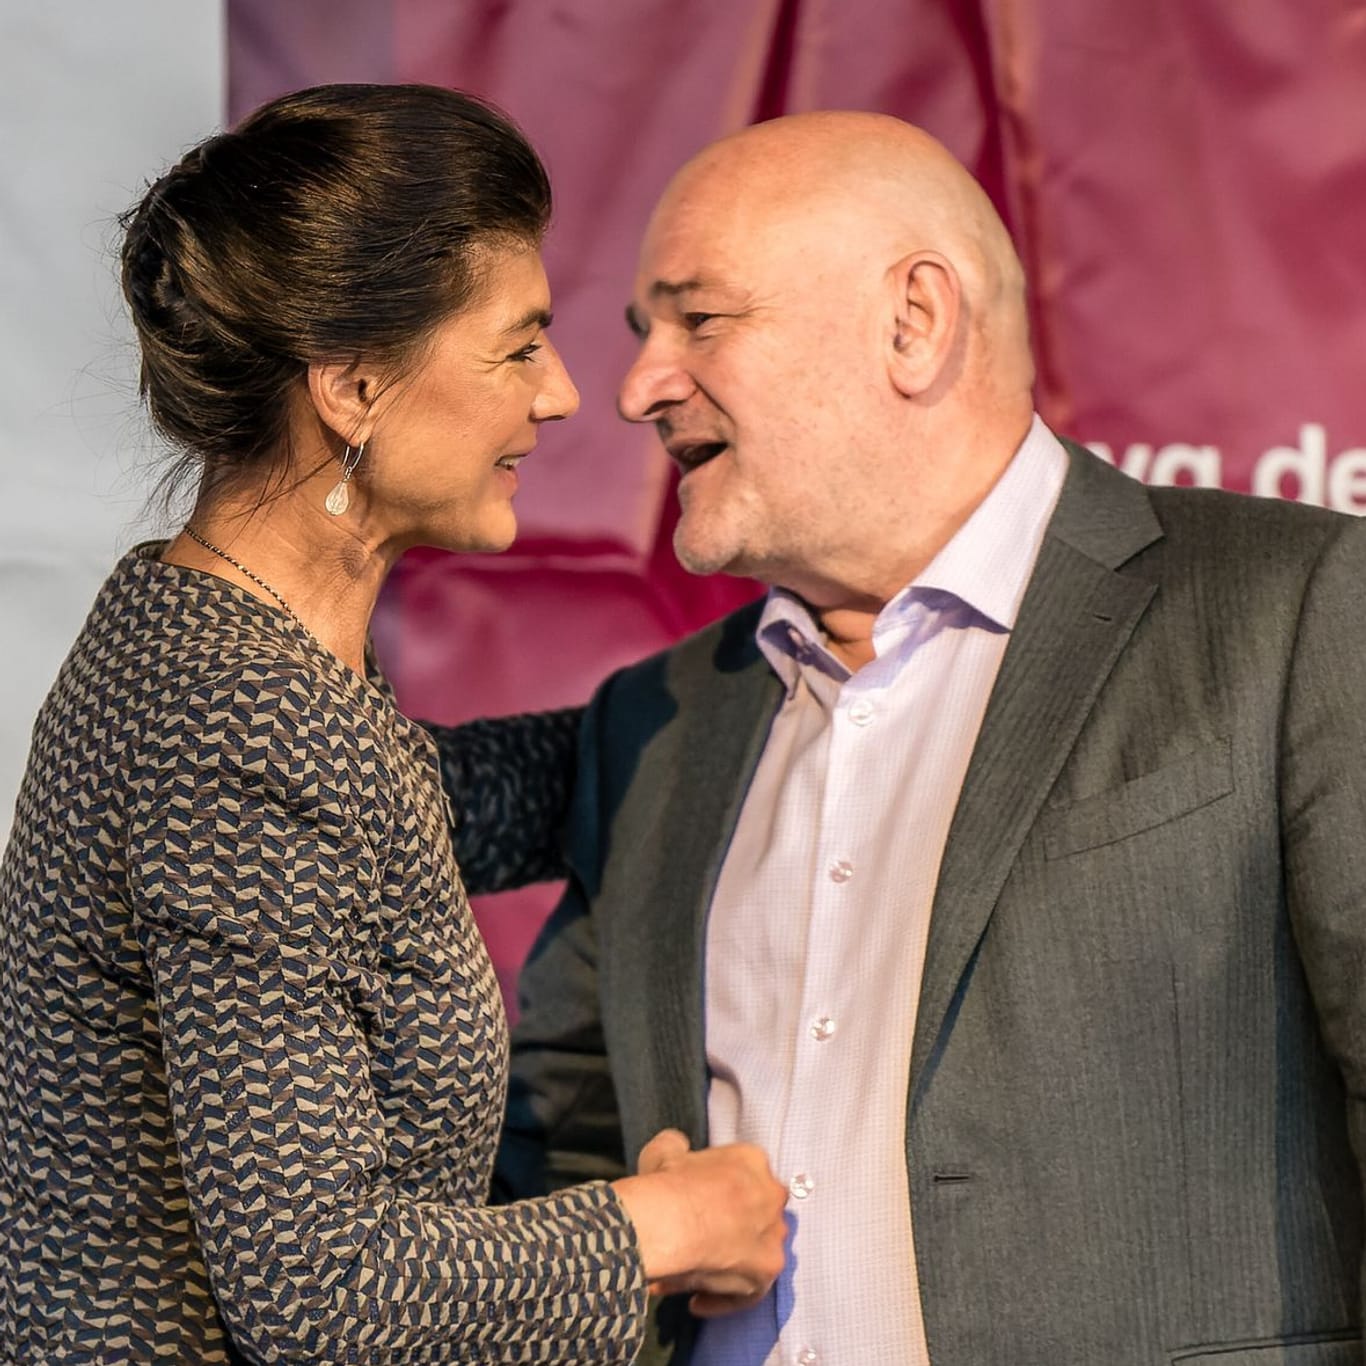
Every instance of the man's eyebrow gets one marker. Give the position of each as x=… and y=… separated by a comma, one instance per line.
x=533, y=317
x=660, y=289
x=673, y=288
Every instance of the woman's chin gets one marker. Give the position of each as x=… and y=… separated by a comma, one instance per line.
x=492, y=538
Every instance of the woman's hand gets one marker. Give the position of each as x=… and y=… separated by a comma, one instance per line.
x=709, y=1222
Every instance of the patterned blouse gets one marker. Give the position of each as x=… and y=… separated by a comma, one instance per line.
x=253, y=1054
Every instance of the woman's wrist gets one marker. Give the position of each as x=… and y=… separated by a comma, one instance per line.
x=658, y=1207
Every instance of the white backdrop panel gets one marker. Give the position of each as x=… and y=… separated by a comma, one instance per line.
x=95, y=98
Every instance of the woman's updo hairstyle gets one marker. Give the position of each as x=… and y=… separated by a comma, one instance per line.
x=335, y=223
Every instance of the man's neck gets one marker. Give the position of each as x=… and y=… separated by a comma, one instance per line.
x=849, y=634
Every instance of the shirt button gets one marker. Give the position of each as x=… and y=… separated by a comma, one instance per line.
x=800, y=1186
x=808, y=1356
x=861, y=711
x=841, y=870
x=822, y=1027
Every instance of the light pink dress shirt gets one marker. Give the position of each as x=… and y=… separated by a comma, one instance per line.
x=817, y=928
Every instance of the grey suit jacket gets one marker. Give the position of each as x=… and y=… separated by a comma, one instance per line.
x=1140, y=1057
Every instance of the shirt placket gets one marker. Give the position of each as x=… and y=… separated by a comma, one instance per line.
x=810, y=1155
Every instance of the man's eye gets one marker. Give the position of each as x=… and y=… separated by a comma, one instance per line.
x=692, y=321
x=526, y=352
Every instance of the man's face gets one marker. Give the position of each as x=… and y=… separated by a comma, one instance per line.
x=757, y=339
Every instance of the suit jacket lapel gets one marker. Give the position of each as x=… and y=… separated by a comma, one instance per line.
x=1076, y=617
x=725, y=708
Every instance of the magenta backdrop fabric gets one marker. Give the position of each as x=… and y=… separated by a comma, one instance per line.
x=1187, y=183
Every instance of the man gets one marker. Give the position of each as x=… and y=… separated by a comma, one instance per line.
x=1003, y=873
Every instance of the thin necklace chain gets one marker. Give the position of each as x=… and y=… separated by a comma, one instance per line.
x=241, y=568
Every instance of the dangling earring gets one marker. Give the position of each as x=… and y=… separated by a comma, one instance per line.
x=340, y=498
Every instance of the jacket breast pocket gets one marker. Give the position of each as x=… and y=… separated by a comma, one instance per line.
x=1329, y=1349
x=1185, y=785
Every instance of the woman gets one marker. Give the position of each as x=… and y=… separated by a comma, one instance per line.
x=253, y=1051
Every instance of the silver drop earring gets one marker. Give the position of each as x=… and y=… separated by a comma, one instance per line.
x=339, y=499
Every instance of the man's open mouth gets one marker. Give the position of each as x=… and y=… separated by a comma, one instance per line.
x=689, y=455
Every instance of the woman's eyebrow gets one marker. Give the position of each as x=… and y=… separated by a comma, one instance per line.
x=539, y=317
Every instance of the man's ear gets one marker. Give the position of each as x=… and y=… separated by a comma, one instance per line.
x=343, y=394
x=926, y=295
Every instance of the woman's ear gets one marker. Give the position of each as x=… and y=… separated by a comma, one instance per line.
x=926, y=297
x=343, y=395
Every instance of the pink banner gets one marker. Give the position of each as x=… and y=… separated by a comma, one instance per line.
x=1187, y=184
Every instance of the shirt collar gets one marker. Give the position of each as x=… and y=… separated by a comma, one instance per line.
x=986, y=565
x=988, y=562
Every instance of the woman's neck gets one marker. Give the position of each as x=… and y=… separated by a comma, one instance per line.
x=298, y=558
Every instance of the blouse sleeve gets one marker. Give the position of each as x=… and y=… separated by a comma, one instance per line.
x=509, y=780
x=250, y=873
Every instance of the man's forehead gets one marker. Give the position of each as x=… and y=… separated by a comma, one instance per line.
x=694, y=250
x=696, y=212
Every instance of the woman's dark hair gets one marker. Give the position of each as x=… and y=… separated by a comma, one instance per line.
x=334, y=223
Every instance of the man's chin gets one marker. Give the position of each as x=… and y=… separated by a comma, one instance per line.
x=698, y=557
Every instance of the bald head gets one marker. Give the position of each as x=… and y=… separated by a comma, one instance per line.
x=865, y=183
x=879, y=162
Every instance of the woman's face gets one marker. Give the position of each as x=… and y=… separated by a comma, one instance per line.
x=447, y=439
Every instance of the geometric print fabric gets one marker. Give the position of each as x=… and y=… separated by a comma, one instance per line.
x=253, y=1054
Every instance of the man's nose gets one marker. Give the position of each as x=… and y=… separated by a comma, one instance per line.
x=653, y=384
